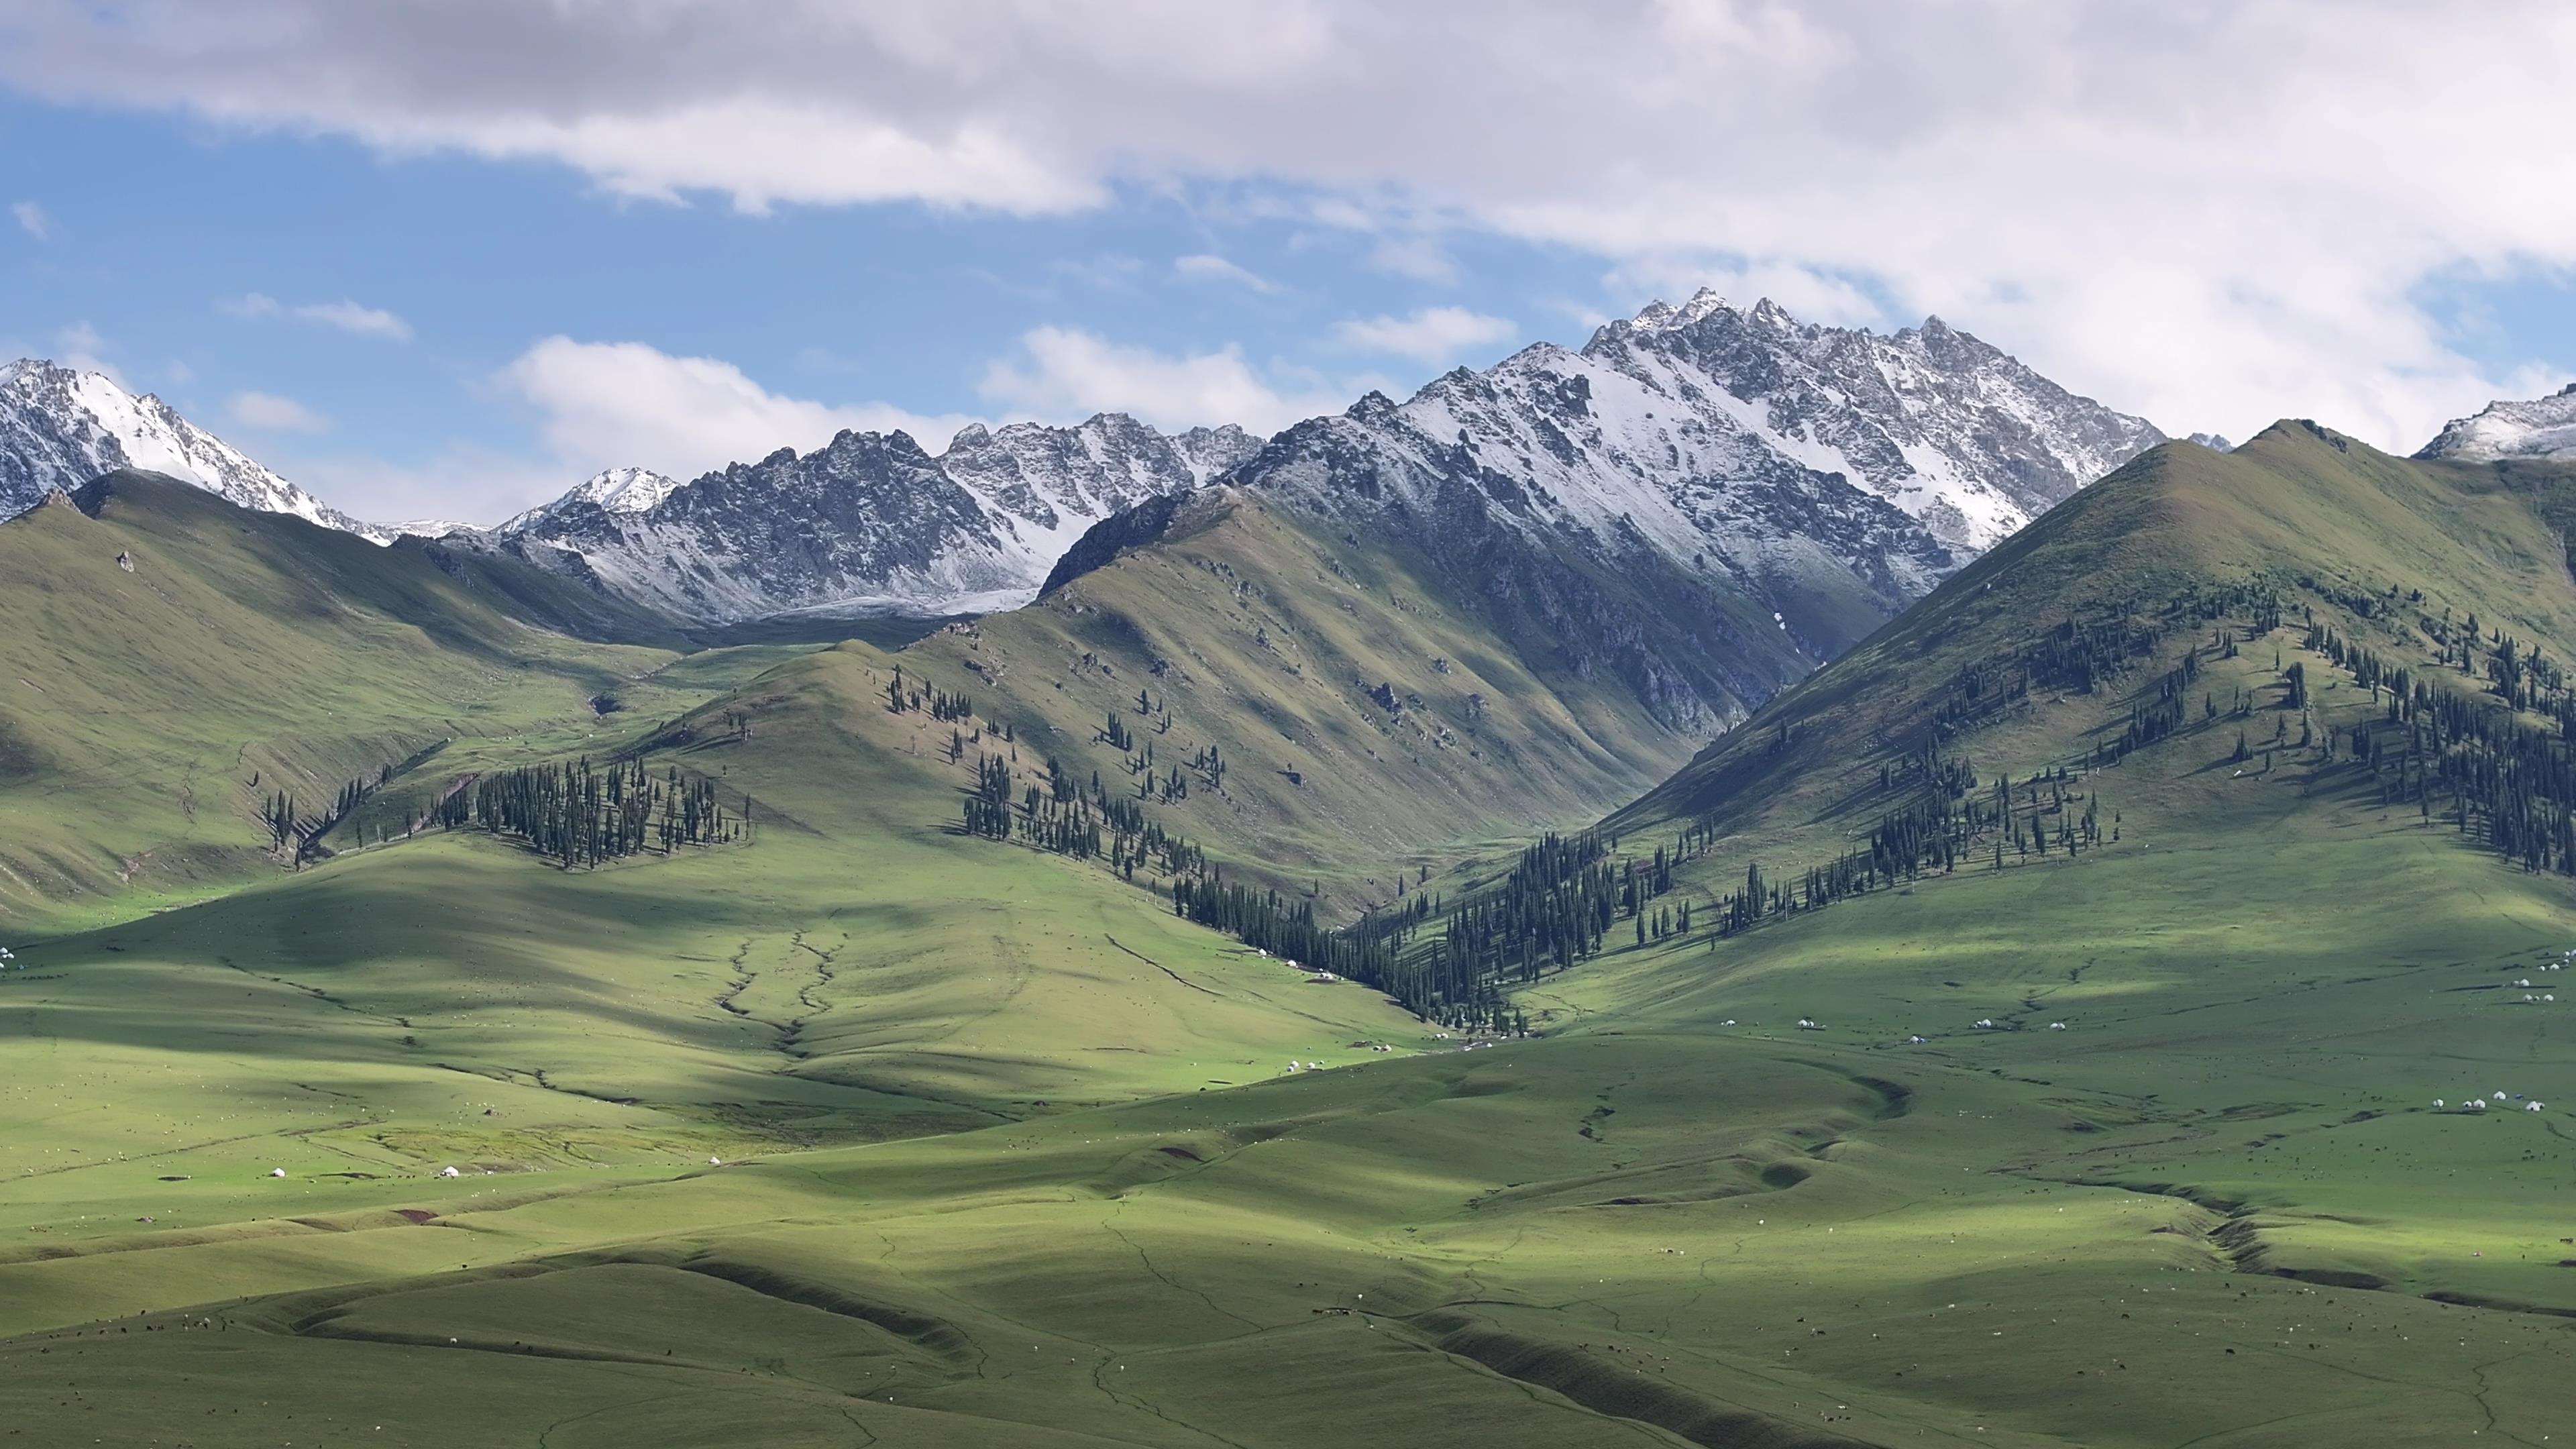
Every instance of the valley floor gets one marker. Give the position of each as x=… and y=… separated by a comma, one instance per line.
x=757, y=1146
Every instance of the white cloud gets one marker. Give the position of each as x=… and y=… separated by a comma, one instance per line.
x=1112, y=272
x=1208, y=267
x=2208, y=210
x=1421, y=257
x=1064, y=374
x=461, y=483
x=345, y=315
x=350, y=317
x=1810, y=294
x=32, y=219
x=612, y=404
x=1432, y=334
x=609, y=404
x=270, y=412
x=81, y=348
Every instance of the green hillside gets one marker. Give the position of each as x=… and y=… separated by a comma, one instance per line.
x=850, y=1126
x=147, y=714
x=1371, y=716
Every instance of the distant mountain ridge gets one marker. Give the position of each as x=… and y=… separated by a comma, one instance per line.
x=2542, y=428
x=60, y=427
x=1738, y=444
x=1950, y=429
x=1834, y=474
x=868, y=522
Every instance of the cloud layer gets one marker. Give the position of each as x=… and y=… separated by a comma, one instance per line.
x=2212, y=211
x=344, y=315
x=612, y=404
x=1432, y=334
x=271, y=413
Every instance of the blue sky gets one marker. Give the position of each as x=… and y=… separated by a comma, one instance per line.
x=155, y=237
x=425, y=284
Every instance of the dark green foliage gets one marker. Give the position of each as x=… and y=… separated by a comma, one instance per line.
x=578, y=815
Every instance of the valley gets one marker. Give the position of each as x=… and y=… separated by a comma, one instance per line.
x=2048, y=1057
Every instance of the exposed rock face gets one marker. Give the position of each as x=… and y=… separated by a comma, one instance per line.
x=870, y=521
x=2544, y=428
x=1707, y=501
x=60, y=427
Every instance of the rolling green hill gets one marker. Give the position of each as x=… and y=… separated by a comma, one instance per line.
x=1375, y=710
x=859, y=1128
x=148, y=713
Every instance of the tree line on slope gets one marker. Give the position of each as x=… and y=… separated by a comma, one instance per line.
x=576, y=814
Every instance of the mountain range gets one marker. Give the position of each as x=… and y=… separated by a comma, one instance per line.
x=2542, y=428
x=868, y=523
x=1735, y=442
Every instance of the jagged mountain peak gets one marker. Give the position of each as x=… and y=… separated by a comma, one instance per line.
x=627, y=490
x=1950, y=429
x=2541, y=428
x=62, y=426
x=871, y=521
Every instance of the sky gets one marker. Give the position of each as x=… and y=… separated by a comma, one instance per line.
x=444, y=260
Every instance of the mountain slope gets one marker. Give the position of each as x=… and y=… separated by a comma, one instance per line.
x=2232, y=791
x=868, y=523
x=166, y=647
x=2320, y=518
x=1511, y=602
x=2544, y=428
x=1373, y=704
x=944, y=1141
x=59, y=428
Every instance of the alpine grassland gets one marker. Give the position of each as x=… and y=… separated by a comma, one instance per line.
x=2026, y=1030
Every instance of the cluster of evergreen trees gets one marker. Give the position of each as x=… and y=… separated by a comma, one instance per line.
x=286, y=827
x=939, y=704
x=2508, y=784
x=1551, y=911
x=1934, y=835
x=579, y=815
x=279, y=816
x=1365, y=951
x=1068, y=819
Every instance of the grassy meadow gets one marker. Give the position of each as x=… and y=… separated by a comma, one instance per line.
x=864, y=1131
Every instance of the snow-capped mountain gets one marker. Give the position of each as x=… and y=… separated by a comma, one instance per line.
x=2544, y=428
x=870, y=521
x=60, y=427
x=1741, y=444
x=1704, y=500
x=429, y=528
x=616, y=490
x=1948, y=428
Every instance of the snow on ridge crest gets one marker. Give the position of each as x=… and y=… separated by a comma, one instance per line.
x=1957, y=434
x=62, y=426
x=871, y=521
x=2541, y=428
